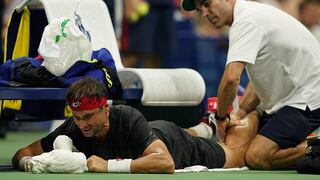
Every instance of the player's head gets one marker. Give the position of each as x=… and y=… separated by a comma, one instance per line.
x=86, y=88
x=87, y=99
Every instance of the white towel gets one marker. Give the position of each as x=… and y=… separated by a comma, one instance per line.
x=38, y=164
x=59, y=160
x=199, y=168
x=165, y=87
x=63, y=142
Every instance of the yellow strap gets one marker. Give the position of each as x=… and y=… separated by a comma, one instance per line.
x=107, y=76
x=21, y=47
x=11, y=104
x=67, y=111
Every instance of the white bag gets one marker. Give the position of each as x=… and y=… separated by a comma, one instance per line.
x=62, y=44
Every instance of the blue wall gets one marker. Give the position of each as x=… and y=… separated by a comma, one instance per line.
x=204, y=54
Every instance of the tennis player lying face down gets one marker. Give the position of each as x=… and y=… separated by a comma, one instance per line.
x=100, y=138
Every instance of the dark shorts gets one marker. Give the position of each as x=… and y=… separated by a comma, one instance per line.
x=289, y=126
x=187, y=150
x=152, y=34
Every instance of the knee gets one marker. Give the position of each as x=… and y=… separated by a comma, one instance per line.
x=257, y=159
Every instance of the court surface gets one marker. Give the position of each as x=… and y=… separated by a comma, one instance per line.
x=18, y=139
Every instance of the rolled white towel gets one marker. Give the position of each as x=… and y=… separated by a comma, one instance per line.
x=63, y=161
x=38, y=164
x=59, y=160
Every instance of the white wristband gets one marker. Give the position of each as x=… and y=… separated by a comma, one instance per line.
x=23, y=161
x=119, y=166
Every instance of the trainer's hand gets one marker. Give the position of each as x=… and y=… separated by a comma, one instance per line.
x=236, y=120
x=227, y=123
x=97, y=164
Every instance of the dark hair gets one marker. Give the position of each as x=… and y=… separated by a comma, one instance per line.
x=303, y=3
x=87, y=87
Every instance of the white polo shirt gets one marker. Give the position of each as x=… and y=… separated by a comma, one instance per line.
x=282, y=57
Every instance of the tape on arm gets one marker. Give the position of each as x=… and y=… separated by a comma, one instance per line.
x=119, y=166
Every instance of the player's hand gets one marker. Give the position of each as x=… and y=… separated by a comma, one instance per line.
x=27, y=166
x=24, y=163
x=97, y=164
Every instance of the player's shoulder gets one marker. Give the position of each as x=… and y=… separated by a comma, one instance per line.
x=124, y=110
x=120, y=108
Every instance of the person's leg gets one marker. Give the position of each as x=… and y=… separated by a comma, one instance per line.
x=163, y=37
x=281, y=141
x=137, y=40
x=264, y=153
x=206, y=127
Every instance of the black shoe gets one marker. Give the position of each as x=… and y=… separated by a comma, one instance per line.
x=310, y=163
x=313, y=146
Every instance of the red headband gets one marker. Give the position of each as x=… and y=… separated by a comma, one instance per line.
x=86, y=103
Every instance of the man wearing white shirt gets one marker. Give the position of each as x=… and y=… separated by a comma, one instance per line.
x=282, y=60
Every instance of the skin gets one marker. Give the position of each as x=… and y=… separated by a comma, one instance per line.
x=238, y=139
x=95, y=123
x=217, y=12
x=263, y=153
x=220, y=13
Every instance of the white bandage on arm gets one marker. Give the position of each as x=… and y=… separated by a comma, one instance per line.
x=119, y=166
x=23, y=161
